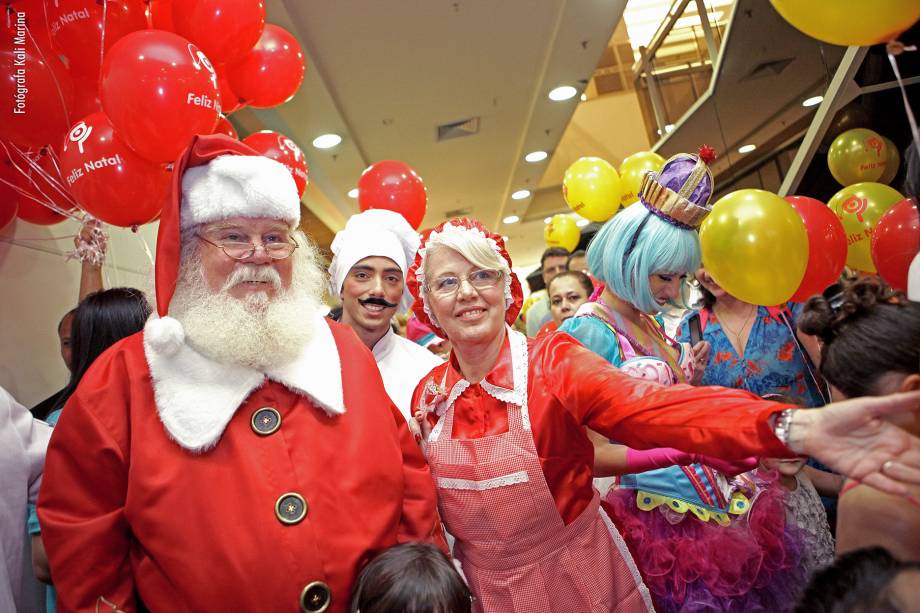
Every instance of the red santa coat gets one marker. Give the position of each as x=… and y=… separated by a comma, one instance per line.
x=158, y=486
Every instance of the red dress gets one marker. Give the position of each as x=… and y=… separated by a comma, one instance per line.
x=126, y=511
x=564, y=388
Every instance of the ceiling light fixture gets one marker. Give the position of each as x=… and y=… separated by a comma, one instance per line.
x=520, y=194
x=353, y=192
x=584, y=97
x=563, y=92
x=325, y=141
x=536, y=156
x=547, y=219
x=581, y=223
x=746, y=148
x=813, y=101
x=511, y=219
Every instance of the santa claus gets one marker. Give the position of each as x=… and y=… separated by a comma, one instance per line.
x=218, y=460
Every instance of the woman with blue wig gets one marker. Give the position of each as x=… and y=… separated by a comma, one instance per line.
x=699, y=540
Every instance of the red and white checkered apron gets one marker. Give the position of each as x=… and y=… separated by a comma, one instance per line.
x=517, y=554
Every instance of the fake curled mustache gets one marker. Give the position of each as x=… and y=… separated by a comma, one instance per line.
x=379, y=302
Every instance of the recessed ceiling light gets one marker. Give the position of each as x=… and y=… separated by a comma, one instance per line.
x=535, y=156
x=584, y=97
x=520, y=194
x=746, y=148
x=325, y=141
x=581, y=223
x=547, y=219
x=511, y=219
x=353, y=192
x=812, y=101
x=563, y=92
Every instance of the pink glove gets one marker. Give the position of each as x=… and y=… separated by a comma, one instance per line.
x=729, y=468
x=642, y=460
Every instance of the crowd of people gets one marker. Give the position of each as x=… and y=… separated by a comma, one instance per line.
x=226, y=445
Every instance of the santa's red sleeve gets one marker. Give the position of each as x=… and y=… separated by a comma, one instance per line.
x=717, y=421
x=82, y=499
x=420, y=520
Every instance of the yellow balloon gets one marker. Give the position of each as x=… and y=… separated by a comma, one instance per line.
x=857, y=156
x=561, y=231
x=850, y=22
x=893, y=163
x=860, y=207
x=632, y=169
x=755, y=246
x=591, y=188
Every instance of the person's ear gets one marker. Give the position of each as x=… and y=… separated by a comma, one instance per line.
x=910, y=383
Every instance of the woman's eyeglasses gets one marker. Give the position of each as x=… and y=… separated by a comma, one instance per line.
x=479, y=279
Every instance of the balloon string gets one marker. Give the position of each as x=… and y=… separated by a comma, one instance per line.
x=36, y=168
x=105, y=23
x=894, y=49
x=52, y=181
x=146, y=247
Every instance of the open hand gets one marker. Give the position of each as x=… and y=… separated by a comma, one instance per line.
x=853, y=438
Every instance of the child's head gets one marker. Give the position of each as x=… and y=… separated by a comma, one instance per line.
x=862, y=581
x=410, y=578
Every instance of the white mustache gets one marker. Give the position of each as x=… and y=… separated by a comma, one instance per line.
x=245, y=273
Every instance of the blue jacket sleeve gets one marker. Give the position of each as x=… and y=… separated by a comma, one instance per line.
x=594, y=335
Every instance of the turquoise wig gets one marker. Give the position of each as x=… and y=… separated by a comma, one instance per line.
x=660, y=247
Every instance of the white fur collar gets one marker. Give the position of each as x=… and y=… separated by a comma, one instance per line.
x=196, y=396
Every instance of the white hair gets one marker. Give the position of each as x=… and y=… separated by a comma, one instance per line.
x=256, y=332
x=474, y=245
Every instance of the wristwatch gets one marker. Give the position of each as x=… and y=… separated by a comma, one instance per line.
x=783, y=426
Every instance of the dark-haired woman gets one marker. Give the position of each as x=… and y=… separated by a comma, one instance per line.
x=870, y=338
x=100, y=320
x=567, y=291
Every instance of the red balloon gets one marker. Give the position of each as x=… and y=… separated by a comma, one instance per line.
x=827, y=246
x=77, y=29
x=224, y=29
x=159, y=15
x=279, y=147
x=229, y=101
x=393, y=186
x=271, y=72
x=225, y=127
x=159, y=90
x=33, y=13
x=44, y=191
x=86, y=97
x=36, y=92
x=895, y=242
x=107, y=178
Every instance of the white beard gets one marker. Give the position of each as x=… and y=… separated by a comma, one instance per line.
x=258, y=332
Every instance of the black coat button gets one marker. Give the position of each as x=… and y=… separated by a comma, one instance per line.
x=315, y=598
x=290, y=508
x=265, y=421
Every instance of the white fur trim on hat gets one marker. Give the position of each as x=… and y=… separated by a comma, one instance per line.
x=375, y=232
x=238, y=186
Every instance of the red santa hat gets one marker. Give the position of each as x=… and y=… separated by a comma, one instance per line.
x=217, y=177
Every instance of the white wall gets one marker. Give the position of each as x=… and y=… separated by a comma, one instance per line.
x=37, y=286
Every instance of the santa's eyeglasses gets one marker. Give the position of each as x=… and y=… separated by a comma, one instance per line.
x=242, y=251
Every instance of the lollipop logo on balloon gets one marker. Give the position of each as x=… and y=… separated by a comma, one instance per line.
x=79, y=133
x=874, y=143
x=199, y=59
x=855, y=206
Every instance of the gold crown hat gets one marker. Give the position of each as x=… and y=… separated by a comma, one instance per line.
x=679, y=194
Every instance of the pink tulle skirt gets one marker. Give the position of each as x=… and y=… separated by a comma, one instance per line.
x=751, y=565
